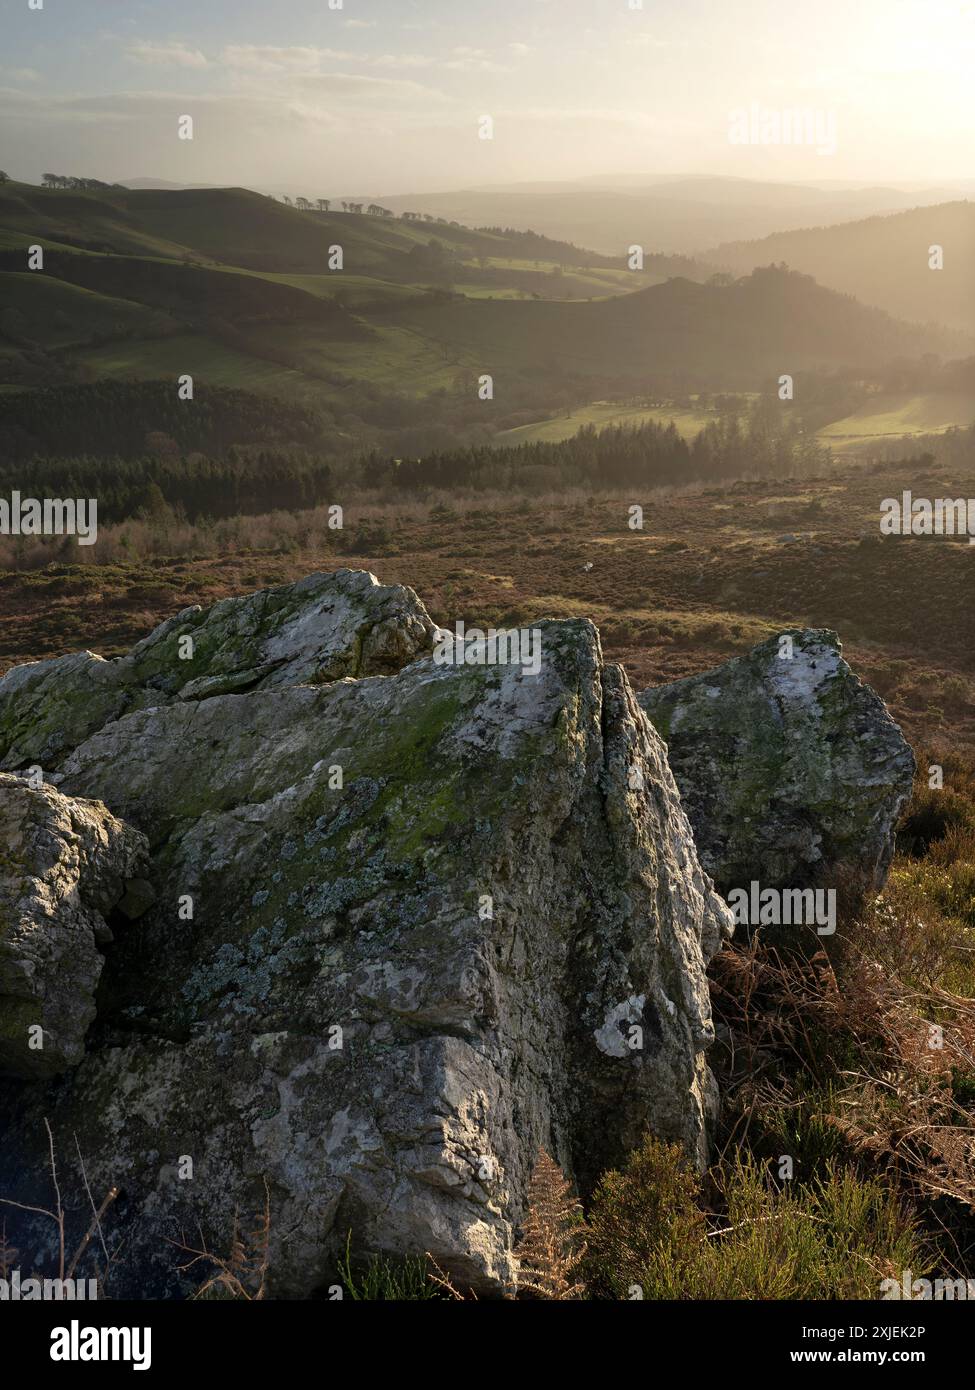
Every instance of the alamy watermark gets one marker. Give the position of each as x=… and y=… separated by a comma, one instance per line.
x=756, y=906
x=15, y=1289
x=908, y=515
x=50, y=516
x=491, y=647
x=763, y=125
x=77, y=1343
x=927, y=1290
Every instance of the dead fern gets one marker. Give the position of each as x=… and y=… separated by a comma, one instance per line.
x=859, y=1035
x=242, y=1272
x=552, y=1242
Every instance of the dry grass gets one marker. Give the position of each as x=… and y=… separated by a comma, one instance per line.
x=866, y=1053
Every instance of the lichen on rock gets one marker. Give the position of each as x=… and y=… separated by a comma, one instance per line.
x=324, y=627
x=403, y=924
x=791, y=770
x=64, y=865
x=433, y=928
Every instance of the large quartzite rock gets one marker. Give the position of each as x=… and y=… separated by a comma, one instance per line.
x=327, y=625
x=408, y=930
x=791, y=770
x=64, y=864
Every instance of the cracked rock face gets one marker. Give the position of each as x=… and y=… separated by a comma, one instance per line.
x=64, y=864
x=791, y=770
x=325, y=626
x=433, y=928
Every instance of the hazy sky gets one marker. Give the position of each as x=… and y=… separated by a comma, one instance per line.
x=384, y=96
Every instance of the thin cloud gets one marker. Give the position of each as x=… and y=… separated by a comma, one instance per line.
x=381, y=91
x=265, y=58
x=166, y=54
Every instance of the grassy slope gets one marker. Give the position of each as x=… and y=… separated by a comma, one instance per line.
x=603, y=414
x=208, y=362
x=240, y=228
x=57, y=315
x=267, y=277
x=894, y=414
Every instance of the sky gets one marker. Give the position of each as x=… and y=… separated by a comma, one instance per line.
x=321, y=97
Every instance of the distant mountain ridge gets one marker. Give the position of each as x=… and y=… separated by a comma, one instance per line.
x=885, y=261
x=682, y=215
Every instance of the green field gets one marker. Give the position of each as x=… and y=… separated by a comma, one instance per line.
x=893, y=415
x=602, y=414
x=351, y=290
x=208, y=362
x=54, y=314
x=887, y=417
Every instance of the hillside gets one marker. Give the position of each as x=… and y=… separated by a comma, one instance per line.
x=728, y=336
x=237, y=291
x=234, y=226
x=881, y=260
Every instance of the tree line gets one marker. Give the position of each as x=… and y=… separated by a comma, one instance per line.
x=651, y=454
x=72, y=181
x=131, y=419
x=185, y=486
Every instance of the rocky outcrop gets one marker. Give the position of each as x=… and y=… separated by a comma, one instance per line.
x=64, y=865
x=790, y=768
x=325, y=626
x=408, y=929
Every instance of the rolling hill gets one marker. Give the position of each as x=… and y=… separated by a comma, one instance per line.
x=236, y=290
x=881, y=260
x=233, y=226
x=733, y=336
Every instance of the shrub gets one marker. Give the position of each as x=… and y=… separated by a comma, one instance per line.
x=382, y=1280
x=933, y=813
x=836, y=1237
x=645, y=1227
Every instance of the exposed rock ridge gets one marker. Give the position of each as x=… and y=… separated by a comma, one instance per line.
x=488, y=933
x=324, y=627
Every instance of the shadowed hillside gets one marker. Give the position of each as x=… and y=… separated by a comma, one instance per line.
x=882, y=260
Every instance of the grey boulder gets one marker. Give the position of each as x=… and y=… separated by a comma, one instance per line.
x=64, y=865
x=408, y=929
x=344, y=623
x=791, y=770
